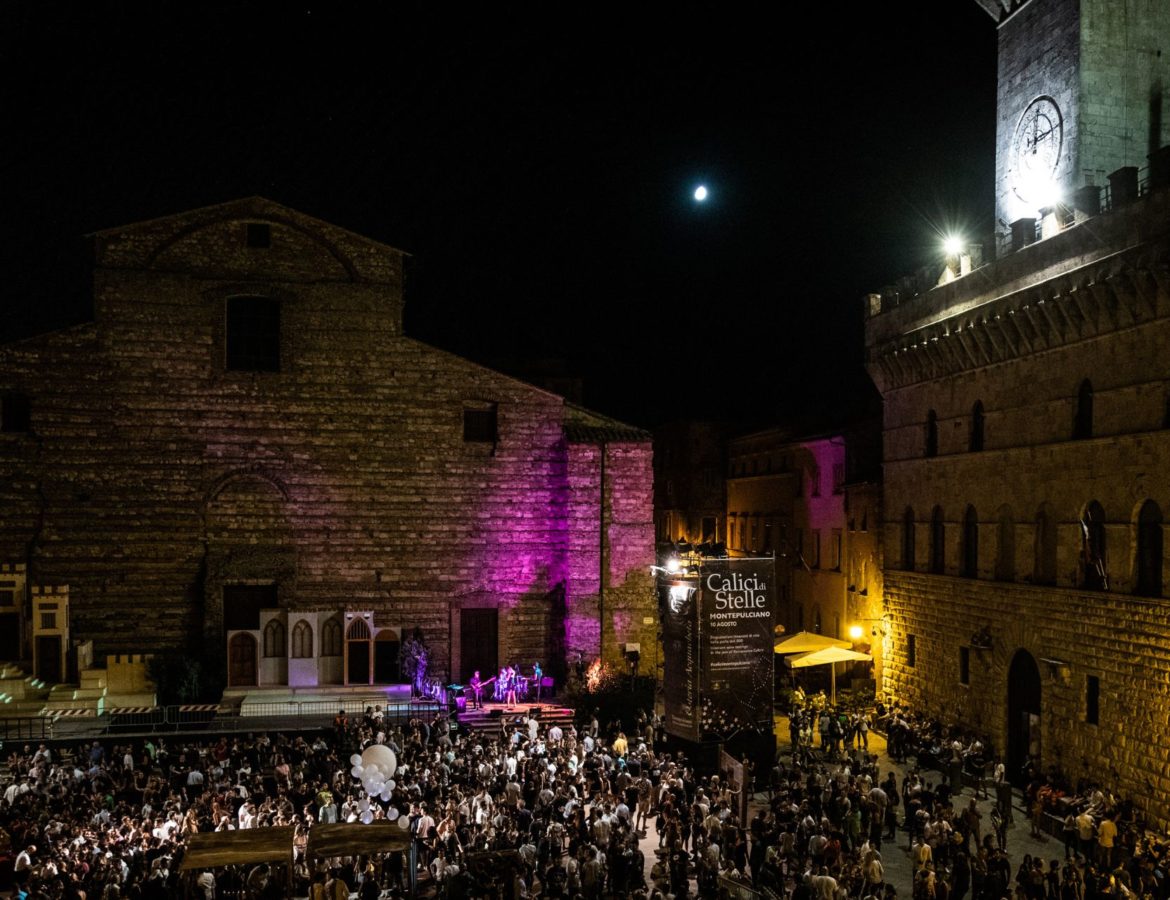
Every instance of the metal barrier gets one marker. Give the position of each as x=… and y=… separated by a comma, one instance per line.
x=736, y=890
x=203, y=716
x=28, y=728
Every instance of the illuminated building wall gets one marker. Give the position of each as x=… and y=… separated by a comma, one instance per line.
x=1027, y=451
x=164, y=468
x=814, y=501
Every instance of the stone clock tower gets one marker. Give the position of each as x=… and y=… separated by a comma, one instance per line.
x=1082, y=95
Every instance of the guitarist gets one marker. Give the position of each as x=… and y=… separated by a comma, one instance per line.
x=477, y=685
x=476, y=691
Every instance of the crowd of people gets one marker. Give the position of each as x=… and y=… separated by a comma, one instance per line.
x=531, y=810
x=956, y=849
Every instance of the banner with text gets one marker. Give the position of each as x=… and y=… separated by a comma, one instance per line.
x=679, y=613
x=736, y=611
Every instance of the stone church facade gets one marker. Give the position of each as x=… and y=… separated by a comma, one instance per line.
x=242, y=455
x=1027, y=421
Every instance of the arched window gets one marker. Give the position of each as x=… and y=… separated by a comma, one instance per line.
x=1005, y=545
x=1083, y=422
x=331, y=637
x=938, y=549
x=358, y=631
x=1148, y=565
x=908, y=540
x=1094, y=571
x=302, y=640
x=1044, y=547
x=975, y=443
x=274, y=644
x=970, y=566
x=931, y=434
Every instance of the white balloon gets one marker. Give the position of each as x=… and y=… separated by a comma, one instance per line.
x=392, y=814
x=385, y=794
x=355, y=760
x=357, y=771
x=363, y=804
x=389, y=784
x=403, y=823
x=381, y=756
x=367, y=817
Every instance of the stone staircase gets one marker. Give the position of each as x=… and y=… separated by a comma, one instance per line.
x=20, y=693
x=488, y=720
x=122, y=684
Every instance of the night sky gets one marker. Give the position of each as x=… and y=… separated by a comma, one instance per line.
x=537, y=161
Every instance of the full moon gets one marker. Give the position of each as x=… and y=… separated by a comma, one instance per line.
x=701, y=193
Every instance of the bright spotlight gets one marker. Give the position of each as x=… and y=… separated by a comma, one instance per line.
x=701, y=193
x=672, y=565
x=855, y=632
x=953, y=245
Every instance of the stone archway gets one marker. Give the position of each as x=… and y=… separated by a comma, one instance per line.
x=1023, y=704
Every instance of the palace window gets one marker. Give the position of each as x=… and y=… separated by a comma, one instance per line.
x=1083, y=420
x=1092, y=700
x=1094, y=574
x=931, y=448
x=1148, y=565
x=1005, y=549
x=911, y=651
x=970, y=566
x=258, y=235
x=15, y=414
x=975, y=444
x=938, y=549
x=480, y=424
x=253, y=334
x=1044, y=568
x=908, y=538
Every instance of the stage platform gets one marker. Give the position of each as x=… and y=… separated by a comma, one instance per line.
x=324, y=699
x=489, y=718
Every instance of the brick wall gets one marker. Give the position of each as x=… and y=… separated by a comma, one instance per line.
x=153, y=476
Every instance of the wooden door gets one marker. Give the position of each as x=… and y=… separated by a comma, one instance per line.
x=242, y=661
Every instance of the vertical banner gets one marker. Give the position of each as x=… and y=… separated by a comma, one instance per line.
x=679, y=613
x=736, y=610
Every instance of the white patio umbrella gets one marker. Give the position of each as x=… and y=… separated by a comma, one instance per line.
x=805, y=641
x=828, y=656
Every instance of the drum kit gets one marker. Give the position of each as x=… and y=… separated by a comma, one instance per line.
x=510, y=682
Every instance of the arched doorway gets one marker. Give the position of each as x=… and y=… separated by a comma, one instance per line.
x=1023, y=714
x=357, y=652
x=242, y=660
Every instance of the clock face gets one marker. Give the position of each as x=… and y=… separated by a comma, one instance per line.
x=1036, y=149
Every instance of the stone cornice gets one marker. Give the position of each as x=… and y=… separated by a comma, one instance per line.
x=1115, y=293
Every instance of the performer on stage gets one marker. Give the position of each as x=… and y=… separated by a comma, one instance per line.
x=510, y=686
x=536, y=673
x=476, y=691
